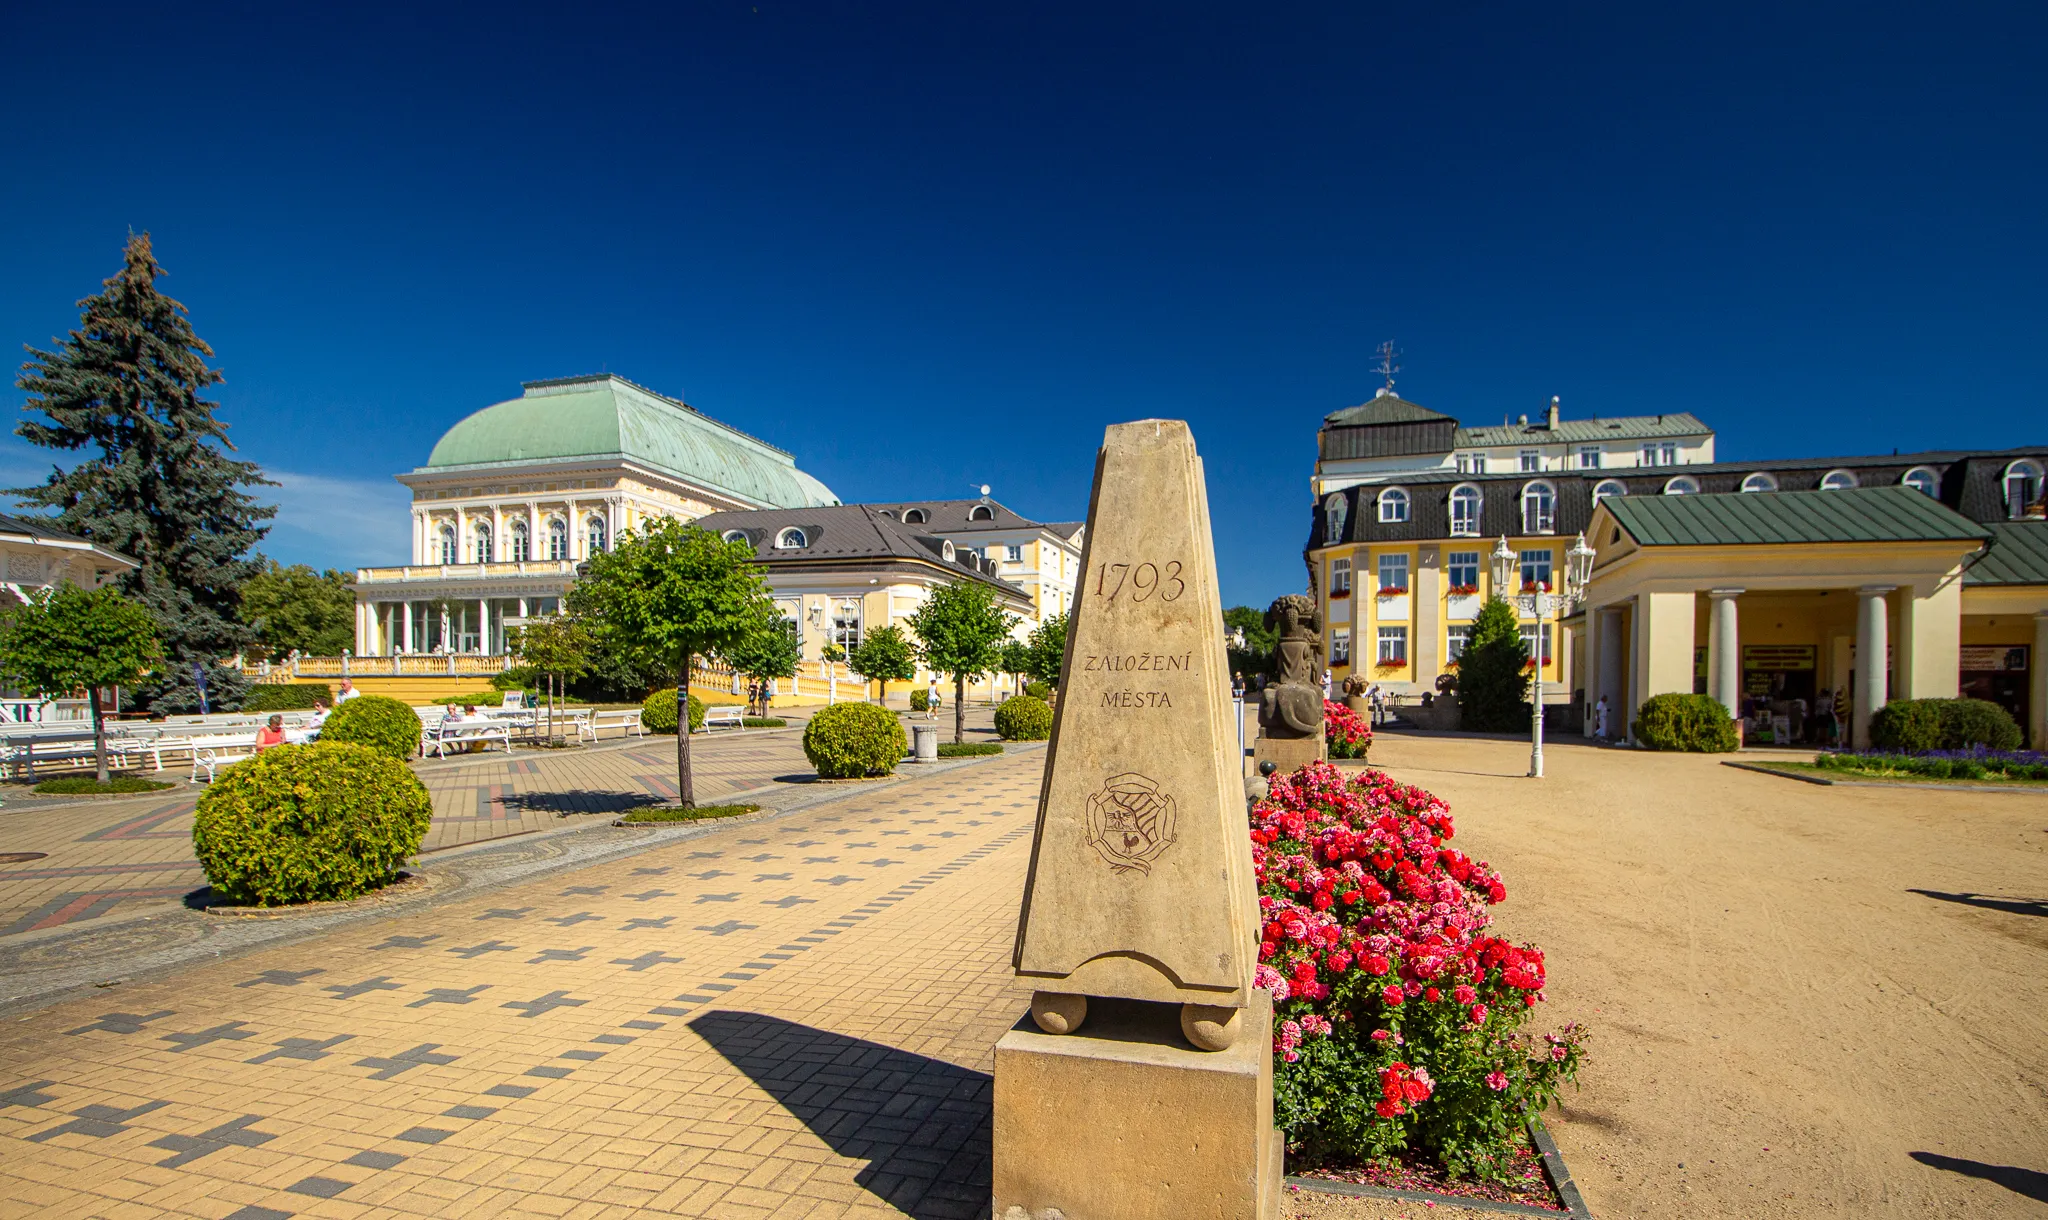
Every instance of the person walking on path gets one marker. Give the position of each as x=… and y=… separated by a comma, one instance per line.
x=1600, y=717
x=931, y=698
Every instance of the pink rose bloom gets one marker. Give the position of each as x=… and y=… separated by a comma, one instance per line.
x=1497, y=1081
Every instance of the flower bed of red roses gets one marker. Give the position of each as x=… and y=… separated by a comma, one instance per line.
x=1395, y=1013
x=1347, y=733
x=1526, y=1181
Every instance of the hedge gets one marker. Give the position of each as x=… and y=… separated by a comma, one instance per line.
x=287, y=697
x=1023, y=719
x=658, y=713
x=377, y=721
x=851, y=740
x=1697, y=724
x=482, y=698
x=964, y=749
x=314, y=823
x=1974, y=764
x=1916, y=726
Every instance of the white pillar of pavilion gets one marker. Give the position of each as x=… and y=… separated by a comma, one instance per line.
x=1873, y=643
x=1724, y=652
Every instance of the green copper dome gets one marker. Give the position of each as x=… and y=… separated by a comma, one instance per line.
x=610, y=417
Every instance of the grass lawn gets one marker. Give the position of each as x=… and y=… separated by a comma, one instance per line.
x=1846, y=775
x=701, y=813
x=86, y=785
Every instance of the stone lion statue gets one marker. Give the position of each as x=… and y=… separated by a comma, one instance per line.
x=1293, y=705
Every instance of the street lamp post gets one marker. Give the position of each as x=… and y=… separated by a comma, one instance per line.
x=1543, y=605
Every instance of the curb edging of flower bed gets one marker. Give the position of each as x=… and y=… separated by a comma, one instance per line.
x=1553, y=1167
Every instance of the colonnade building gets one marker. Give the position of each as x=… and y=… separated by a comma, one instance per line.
x=516, y=496
x=1761, y=583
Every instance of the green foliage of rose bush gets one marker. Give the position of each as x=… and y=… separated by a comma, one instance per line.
x=658, y=713
x=852, y=740
x=1397, y=1019
x=377, y=721
x=1024, y=719
x=313, y=823
x=1697, y=724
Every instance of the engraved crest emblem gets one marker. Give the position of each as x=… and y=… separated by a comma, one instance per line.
x=1130, y=823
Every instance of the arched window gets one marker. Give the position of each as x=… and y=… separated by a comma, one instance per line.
x=594, y=532
x=522, y=543
x=558, y=539
x=1760, y=481
x=448, y=553
x=890, y=513
x=1393, y=505
x=1683, y=485
x=981, y=512
x=1539, y=508
x=916, y=516
x=733, y=536
x=1923, y=480
x=792, y=539
x=1333, y=517
x=1837, y=480
x=1609, y=487
x=480, y=542
x=2022, y=486
x=1465, y=502
x=946, y=552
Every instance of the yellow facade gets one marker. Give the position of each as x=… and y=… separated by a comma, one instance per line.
x=1428, y=611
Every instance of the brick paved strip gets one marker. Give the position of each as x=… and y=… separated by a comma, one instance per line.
x=65, y=908
x=102, y=870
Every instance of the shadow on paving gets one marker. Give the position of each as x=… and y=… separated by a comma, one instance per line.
x=2029, y=1182
x=921, y=1124
x=579, y=800
x=2015, y=906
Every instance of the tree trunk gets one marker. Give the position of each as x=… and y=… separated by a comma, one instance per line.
x=685, y=789
x=551, y=709
x=884, y=684
x=959, y=708
x=99, y=735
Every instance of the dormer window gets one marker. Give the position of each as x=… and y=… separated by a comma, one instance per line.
x=1393, y=506
x=1760, y=481
x=982, y=512
x=1539, y=508
x=1924, y=481
x=916, y=516
x=792, y=539
x=2022, y=487
x=1465, y=503
x=1682, y=486
x=733, y=536
x=1333, y=518
x=1837, y=480
x=1609, y=487
x=947, y=552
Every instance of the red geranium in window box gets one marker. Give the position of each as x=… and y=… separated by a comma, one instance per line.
x=1533, y=586
x=1464, y=590
x=1393, y=590
x=1339, y=594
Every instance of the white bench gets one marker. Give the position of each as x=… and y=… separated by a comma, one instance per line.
x=465, y=733
x=216, y=750
x=731, y=715
x=625, y=719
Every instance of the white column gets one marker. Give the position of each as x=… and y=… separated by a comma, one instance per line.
x=497, y=531
x=1872, y=643
x=1595, y=619
x=1724, y=652
x=483, y=626
x=2037, y=671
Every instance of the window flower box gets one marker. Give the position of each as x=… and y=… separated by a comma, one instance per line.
x=1464, y=590
x=1393, y=591
x=1392, y=663
x=1535, y=586
x=1339, y=594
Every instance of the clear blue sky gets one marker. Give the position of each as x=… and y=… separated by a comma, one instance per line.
x=928, y=247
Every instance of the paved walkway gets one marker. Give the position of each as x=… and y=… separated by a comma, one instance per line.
x=133, y=855
x=790, y=1018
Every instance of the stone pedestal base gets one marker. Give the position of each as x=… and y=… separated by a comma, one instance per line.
x=1123, y=1120
x=1288, y=753
x=1360, y=706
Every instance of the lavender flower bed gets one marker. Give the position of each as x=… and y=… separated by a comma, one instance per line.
x=1977, y=762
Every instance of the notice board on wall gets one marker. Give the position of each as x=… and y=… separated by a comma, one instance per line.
x=2008, y=658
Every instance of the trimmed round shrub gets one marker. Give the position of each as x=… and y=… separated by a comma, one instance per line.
x=920, y=699
x=287, y=697
x=1038, y=690
x=658, y=712
x=1697, y=724
x=1977, y=722
x=1912, y=726
x=851, y=740
x=1023, y=719
x=377, y=721
x=314, y=823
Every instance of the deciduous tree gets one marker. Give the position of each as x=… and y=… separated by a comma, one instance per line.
x=297, y=608
x=156, y=483
x=68, y=639
x=662, y=598
x=960, y=631
x=884, y=656
x=559, y=646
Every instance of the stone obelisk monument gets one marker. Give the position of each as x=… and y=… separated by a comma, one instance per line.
x=1141, y=1084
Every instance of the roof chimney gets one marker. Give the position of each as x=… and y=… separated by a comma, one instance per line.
x=1523, y=420
x=1553, y=412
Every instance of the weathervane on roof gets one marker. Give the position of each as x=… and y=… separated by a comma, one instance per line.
x=1390, y=363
